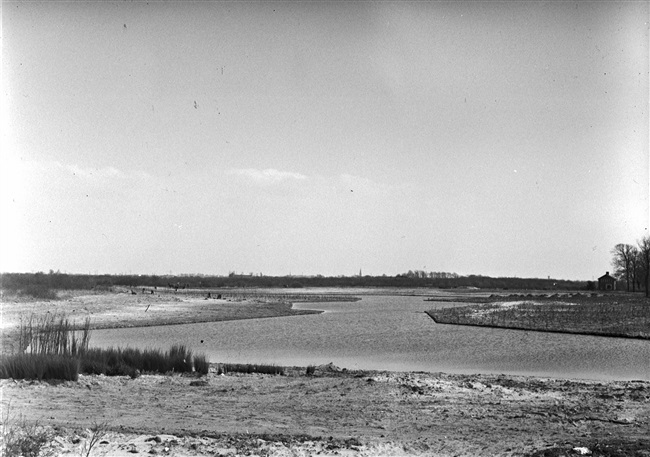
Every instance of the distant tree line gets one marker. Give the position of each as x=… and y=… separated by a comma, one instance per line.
x=430, y=274
x=446, y=280
x=632, y=265
x=411, y=279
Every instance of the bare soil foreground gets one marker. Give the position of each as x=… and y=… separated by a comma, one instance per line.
x=332, y=412
x=339, y=413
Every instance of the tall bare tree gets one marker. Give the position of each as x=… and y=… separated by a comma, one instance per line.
x=635, y=265
x=622, y=262
x=644, y=252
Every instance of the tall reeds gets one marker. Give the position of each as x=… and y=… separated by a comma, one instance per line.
x=52, y=334
x=201, y=364
x=40, y=366
x=130, y=361
x=49, y=348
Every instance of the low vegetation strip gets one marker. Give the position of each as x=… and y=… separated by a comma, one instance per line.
x=40, y=366
x=110, y=362
x=249, y=368
x=629, y=319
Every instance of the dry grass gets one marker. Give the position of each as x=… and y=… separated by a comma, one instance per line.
x=21, y=438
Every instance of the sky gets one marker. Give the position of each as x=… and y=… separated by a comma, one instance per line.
x=492, y=138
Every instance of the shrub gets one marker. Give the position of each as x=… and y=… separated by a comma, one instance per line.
x=94, y=435
x=24, y=440
x=201, y=364
x=311, y=369
x=18, y=438
x=39, y=291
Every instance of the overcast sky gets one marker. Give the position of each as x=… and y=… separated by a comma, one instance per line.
x=494, y=138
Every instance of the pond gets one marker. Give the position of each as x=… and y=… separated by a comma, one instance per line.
x=393, y=333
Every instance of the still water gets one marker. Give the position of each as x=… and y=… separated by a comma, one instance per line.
x=394, y=333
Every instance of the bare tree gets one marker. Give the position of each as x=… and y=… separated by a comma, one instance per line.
x=635, y=265
x=644, y=252
x=622, y=262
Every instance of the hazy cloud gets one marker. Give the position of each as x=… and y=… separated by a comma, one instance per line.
x=88, y=173
x=365, y=185
x=267, y=176
x=358, y=181
x=105, y=172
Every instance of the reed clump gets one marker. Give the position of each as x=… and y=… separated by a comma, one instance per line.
x=49, y=347
x=52, y=347
x=103, y=361
x=133, y=361
x=201, y=364
x=40, y=366
x=39, y=292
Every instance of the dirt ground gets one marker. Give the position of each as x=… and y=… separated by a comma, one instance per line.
x=333, y=412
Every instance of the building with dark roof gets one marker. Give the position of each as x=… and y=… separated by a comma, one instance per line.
x=606, y=282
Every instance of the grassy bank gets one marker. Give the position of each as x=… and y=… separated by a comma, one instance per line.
x=607, y=316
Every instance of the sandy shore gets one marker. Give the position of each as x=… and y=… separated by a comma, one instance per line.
x=333, y=412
